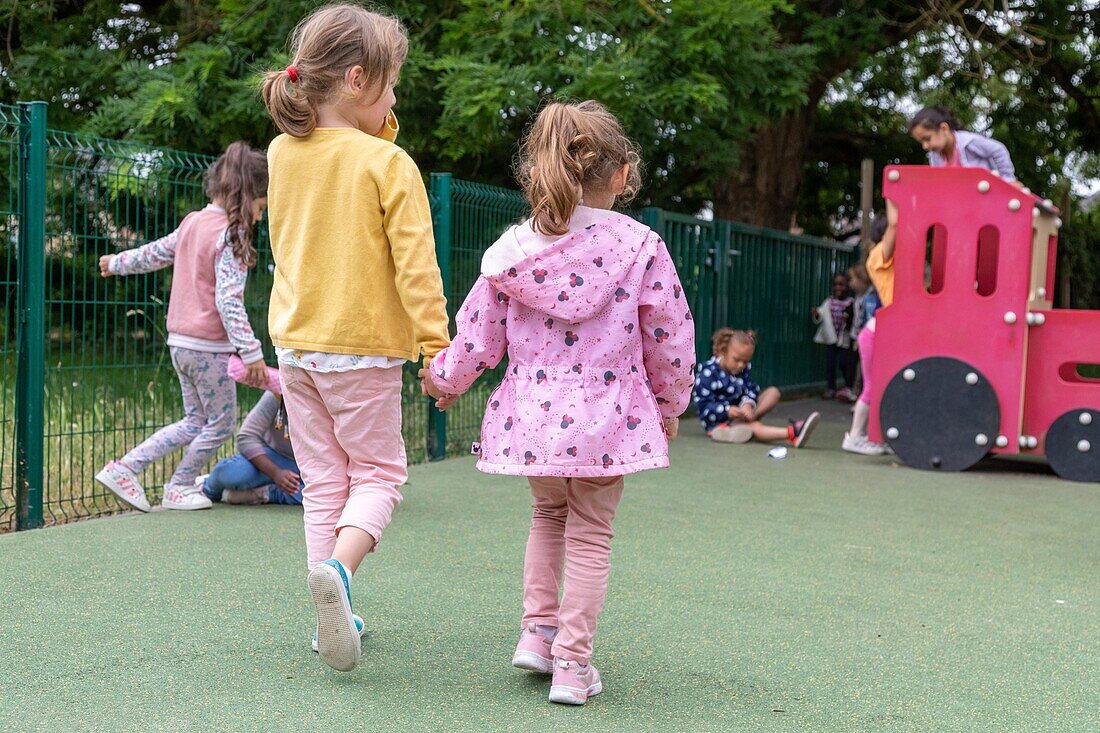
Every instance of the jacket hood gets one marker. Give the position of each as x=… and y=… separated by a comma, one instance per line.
x=576, y=277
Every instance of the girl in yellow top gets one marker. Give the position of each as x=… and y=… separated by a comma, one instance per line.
x=357, y=291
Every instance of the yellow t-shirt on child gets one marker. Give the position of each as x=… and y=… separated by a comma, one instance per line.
x=351, y=234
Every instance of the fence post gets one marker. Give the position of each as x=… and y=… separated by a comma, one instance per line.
x=30, y=299
x=442, y=218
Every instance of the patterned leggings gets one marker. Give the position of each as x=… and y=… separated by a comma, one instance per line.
x=210, y=404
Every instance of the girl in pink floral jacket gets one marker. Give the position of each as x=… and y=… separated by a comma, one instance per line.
x=600, y=342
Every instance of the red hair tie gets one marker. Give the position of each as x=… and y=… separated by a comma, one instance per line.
x=292, y=72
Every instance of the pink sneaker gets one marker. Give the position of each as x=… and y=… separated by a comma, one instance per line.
x=533, y=651
x=574, y=684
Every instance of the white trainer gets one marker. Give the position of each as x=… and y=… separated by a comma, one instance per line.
x=124, y=484
x=862, y=445
x=174, y=498
x=338, y=642
x=358, y=624
x=732, y=432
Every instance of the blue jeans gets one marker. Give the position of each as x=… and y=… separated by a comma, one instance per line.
x=238, y=473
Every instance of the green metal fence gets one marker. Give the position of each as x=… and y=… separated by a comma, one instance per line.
x=755, y=278
x=84, y=366
x=90, y=377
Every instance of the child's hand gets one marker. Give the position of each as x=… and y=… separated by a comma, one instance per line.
x=672, y=428
x=255, y=374
x=105, y=265
x=891, y=213
x=427, y=387
x=744, y=412
x=287, y=481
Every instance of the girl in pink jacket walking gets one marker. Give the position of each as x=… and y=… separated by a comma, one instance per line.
x=600, y=343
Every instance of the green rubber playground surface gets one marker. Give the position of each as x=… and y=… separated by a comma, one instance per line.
x=824, y=592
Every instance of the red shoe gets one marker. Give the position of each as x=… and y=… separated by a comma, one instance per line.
x=798, y=431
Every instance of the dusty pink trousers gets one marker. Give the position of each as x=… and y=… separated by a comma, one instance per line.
x=346, y=430
x=570, y=524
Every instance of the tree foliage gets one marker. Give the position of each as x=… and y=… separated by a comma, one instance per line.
x=762, y=108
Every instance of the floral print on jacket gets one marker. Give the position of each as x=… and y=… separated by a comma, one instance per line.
x=601, y=348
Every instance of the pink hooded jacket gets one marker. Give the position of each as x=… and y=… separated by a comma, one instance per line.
x=601, y=348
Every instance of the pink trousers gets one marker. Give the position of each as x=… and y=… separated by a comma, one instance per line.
x=346, y=430
x=570, y=524
x=866, y=354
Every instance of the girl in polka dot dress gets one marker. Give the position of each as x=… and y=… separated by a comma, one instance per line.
x=731, y=405
x=600, y=342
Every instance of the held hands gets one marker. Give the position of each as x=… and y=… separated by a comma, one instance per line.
x=427, y=387
x=287, y=481
x=672, y=428
x=105, y=265
x=255, y=374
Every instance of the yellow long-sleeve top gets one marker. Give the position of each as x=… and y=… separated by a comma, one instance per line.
x=351, y=234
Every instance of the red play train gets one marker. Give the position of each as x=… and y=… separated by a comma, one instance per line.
x=971, y=358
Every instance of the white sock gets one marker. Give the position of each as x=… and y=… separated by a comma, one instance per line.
x=346, y=570
x=859, y=419
x=548, y=631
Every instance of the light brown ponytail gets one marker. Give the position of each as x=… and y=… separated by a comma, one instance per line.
x=291, y=111
x=571, y=149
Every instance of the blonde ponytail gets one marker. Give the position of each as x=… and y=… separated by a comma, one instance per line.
x=571, y=149
x=290, y=110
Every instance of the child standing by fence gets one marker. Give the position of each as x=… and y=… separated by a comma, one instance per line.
x=211, y=253
x=357, y=291
x=600, y=345
x=835, y=316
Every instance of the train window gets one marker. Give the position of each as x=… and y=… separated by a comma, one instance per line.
x=1079, y=372
x=985, y=272
x=934, y=258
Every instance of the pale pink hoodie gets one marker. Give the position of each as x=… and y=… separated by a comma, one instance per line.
x=600, y=344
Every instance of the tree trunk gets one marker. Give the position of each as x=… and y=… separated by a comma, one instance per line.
x=763, y=189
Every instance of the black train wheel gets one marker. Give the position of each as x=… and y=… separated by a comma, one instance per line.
x=940, y=414
x=1073, y=445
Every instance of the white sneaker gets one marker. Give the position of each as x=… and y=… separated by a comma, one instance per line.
x=124, y=484
x=733, y=432
x=358, y=624
x=862, y=445
x=175, y=498
x=338, y=642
